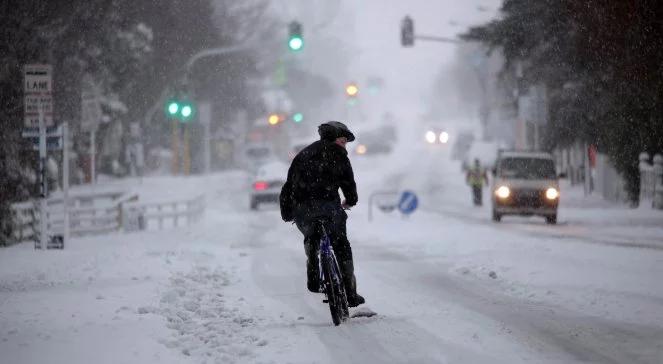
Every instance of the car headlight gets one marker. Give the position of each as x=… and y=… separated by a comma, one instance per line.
x=444, y=137
x=431, y=137
x=361, y=149
x=552, y=193
x=503, y=192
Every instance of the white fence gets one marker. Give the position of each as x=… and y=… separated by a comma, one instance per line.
x=142, y=216
x=651, y=180
x=102, y=213
x=607, y=180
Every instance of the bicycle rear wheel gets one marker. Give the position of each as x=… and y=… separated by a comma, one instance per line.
x=332, y=291
x=341, y=294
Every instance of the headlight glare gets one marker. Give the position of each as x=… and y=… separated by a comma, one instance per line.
x=503, y=192
x=430, y=137
x=444, y=137
x=552, y=193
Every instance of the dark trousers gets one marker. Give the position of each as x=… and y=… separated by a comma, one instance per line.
x=476, y=195
x=335, y=217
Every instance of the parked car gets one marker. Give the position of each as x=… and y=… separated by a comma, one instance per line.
x=267, y=183
x=525, y=183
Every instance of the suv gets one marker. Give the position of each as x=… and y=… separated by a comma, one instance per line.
x=525, y=183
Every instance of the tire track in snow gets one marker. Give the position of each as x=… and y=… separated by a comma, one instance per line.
x=540, y=231
x=554, y=332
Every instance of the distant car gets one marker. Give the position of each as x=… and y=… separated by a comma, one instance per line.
x=267, y=183
x=436, y=135
x=376, y=141
x=525, y=183
x=256, y=155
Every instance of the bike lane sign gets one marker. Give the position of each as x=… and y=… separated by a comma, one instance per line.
x=408, y=202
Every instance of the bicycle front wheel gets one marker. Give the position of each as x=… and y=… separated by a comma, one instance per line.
x=331, y=289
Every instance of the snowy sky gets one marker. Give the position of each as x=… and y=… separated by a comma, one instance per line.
x=411, y=70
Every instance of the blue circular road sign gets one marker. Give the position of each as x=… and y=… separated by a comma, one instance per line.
x=408, y=202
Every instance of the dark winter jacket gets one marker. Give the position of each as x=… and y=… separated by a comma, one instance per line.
x=314, y=177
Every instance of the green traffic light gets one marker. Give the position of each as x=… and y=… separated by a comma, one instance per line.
x=173, y=108
x=295, y=43
x=187, y=110
x=298, y=117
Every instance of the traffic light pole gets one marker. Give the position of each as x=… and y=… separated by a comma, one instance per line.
x=433, y=38
x=164, y=95
x=212, y=52
x=175, y=146
x=407, y=40
x=186, y=152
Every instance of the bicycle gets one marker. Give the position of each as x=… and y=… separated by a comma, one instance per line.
x=331, y=280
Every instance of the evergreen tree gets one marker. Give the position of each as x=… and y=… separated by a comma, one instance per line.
x=601, y=62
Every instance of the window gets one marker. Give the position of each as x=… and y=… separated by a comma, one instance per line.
x=527, y=168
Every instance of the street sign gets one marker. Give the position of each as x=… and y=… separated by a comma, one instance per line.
x=34, y=132
x=408, y=202
x=52, y=143
x=38, y=94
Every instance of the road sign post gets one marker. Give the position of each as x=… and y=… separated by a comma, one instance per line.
x=90, y=117
x=65, y=181
x=43, y=218
x=38, y=112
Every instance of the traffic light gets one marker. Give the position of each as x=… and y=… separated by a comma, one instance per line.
x=186, y=111
x=298, y=117
x=407, y=32
x=178, y=108
x=273, y=119
x=352, y=90
x=295, y=39
x=172, y=108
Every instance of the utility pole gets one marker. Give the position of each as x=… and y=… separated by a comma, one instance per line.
x=408, y=36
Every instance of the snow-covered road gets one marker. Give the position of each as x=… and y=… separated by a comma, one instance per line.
x=449, y=286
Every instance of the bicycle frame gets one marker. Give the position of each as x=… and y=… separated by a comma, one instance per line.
x=326, y=251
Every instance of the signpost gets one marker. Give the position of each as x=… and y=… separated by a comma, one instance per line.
x=38, y=99
x=90, y=117
x=38, y=112
x=406, y=202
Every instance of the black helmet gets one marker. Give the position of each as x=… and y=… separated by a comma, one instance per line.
x=335, y=129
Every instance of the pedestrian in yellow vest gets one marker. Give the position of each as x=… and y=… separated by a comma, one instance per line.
x=476, y=176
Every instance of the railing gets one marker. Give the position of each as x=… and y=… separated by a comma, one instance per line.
x=386, y=201
x=118, y=212
x=651, y=180
x=142, y=216
x=647, y=178
x=85, y=220
x=25, y=219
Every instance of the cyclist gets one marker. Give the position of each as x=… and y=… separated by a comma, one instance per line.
x=311, y=193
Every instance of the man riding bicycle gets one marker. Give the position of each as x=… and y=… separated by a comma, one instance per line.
x=311, y=194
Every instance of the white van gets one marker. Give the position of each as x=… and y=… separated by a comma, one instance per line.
x=525, y=183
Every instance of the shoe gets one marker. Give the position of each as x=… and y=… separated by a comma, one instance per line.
x=313, y=285
x=356, y=300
